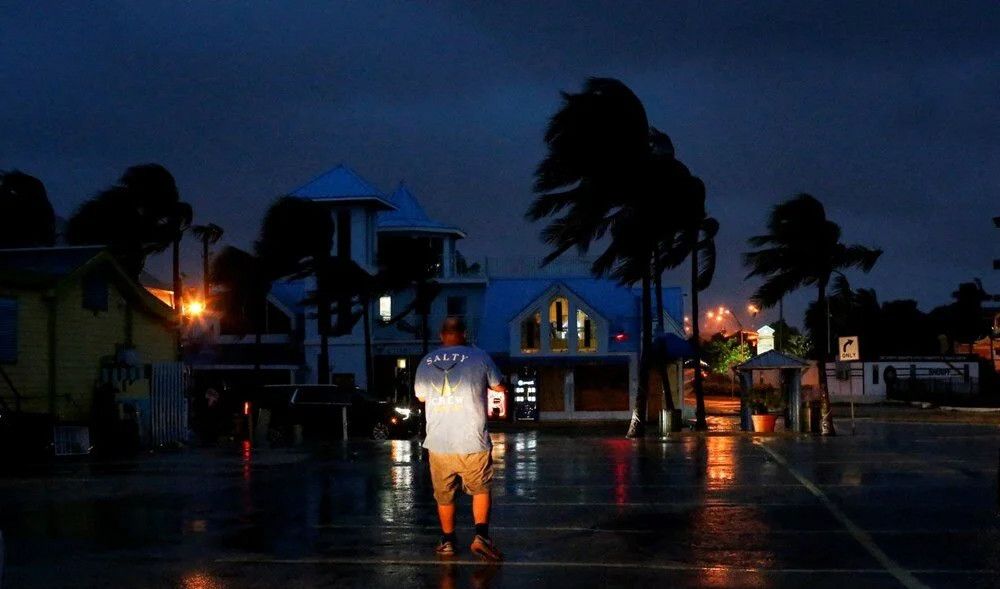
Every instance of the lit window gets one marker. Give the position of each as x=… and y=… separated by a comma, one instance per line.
x=530, y=334
x=586, y=336
x=385, y=308
x=559, y=324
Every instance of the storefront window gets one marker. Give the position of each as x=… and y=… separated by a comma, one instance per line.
x=559, y=324
x=530, y=334
x=586, y=336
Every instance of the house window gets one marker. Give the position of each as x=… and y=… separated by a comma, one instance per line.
x=8, y=331
x=530, y=330
x=559, y=324
x=586, y=336
x=385, y=308
x=456, y=306
x=95, y=292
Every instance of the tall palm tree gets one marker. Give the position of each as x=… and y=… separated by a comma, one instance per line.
x=26, y=215
x=296, y=237
x=803, y=248
x=140, y=215
x=207, y=235
x=598, y=151
x=606, y=172
x=702, y=272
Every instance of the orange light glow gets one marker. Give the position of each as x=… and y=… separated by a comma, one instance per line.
x=194, y=308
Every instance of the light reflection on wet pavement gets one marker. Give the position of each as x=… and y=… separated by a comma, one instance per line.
x=571, y=509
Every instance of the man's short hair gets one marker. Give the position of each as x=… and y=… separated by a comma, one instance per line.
x=453, y=325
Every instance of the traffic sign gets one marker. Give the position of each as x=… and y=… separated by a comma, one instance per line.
x=848, y=349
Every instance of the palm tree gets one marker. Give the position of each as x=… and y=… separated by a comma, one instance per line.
x=406, y=264
x=26, y=215
x=207, y=235
x=242, y=298
x=140, y=215
x=803, y=248
x=295, y=241
x=599, y=147
x=702, y=272
x=610, y=174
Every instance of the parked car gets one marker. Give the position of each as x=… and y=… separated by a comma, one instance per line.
x=318, y=409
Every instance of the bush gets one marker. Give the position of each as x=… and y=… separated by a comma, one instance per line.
x=764, y=398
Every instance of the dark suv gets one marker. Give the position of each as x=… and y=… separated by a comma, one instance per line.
x=319, y=411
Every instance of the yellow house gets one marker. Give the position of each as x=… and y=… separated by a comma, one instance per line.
x=71, y=320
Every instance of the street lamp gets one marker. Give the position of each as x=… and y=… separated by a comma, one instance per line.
x=720, y=315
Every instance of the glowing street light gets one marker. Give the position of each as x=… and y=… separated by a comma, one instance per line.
x=194, y=308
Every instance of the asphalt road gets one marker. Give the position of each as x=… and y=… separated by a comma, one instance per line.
x=897, y=505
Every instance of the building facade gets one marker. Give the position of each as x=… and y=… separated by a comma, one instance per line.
x=579, y=334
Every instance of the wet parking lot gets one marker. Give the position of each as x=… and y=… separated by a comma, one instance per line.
x=897, y=505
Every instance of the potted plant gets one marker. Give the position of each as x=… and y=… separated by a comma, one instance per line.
x=764, y=398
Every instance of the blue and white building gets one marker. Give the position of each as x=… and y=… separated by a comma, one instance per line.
x=579, y=335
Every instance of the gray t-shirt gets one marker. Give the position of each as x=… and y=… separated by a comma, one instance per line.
x=453, y=382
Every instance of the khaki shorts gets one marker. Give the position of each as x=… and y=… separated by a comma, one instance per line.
x=474, y=470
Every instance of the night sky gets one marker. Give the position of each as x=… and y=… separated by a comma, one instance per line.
x=888, y=112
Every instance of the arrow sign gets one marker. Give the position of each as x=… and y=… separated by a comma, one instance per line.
x=848, y=349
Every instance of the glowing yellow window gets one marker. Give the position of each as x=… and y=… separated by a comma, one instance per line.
x=559, y=324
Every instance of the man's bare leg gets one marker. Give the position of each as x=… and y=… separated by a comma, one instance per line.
x=446, y=513
x=481, y=508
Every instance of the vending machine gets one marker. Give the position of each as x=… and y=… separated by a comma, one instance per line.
x=496, y=405
x=526, y=396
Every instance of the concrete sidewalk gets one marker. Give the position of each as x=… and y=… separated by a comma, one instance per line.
x=897, y=505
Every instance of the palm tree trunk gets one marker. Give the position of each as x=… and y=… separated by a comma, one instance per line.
x=701, y=424
x=204, y=271
x=323, y=318
x=369, y=369
x=637, y=426
x=826, y=411
x=666, y=398
x=177, y=273
x=658, y=280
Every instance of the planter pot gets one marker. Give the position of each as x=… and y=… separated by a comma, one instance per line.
x=763, y=423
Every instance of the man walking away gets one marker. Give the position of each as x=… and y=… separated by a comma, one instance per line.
x=453, y=382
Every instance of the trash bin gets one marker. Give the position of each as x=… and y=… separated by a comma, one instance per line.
x=813, y=417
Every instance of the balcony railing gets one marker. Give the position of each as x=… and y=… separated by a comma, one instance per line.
x=514, y=267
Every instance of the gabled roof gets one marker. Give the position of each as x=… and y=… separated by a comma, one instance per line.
x=766, y=330
x=772, y=359
x=410, y=216
x=44, y=264
x=506, y=298
x=45, y=267
x=290, y=293
x=342, y=184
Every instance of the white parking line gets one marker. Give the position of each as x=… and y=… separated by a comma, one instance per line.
x=533, y=564
x=903, y=576
x=680, y=567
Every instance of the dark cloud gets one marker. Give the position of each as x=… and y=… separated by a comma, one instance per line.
x=886, y=111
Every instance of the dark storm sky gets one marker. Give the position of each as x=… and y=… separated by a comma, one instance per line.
x=888, y=112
